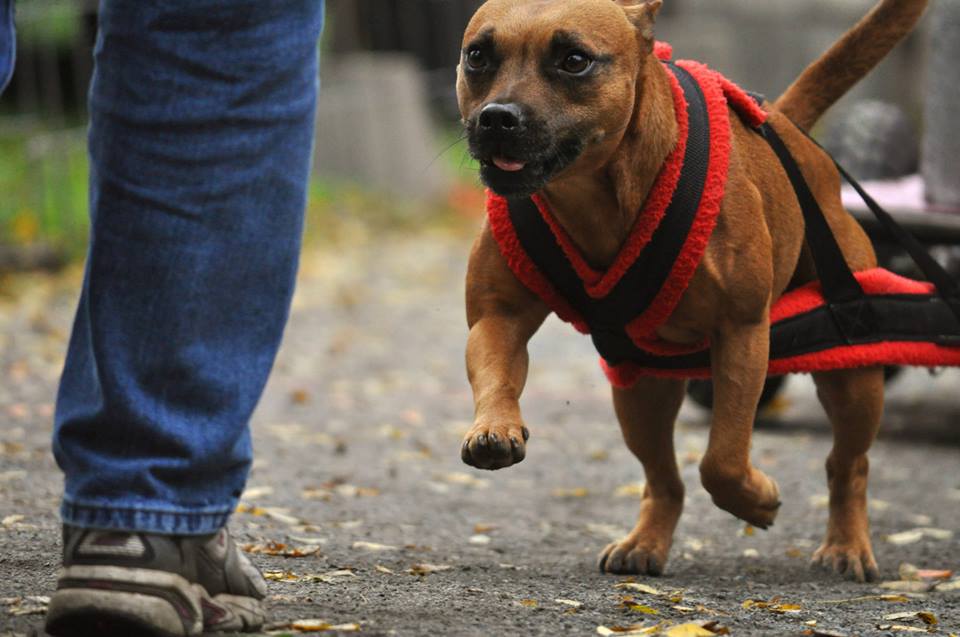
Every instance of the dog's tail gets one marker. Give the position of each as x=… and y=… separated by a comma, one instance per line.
x=848, y=60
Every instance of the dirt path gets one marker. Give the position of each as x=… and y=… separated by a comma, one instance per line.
x=357, y=459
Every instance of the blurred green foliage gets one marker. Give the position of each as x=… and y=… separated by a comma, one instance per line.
x=48, y=22
x=43, y=178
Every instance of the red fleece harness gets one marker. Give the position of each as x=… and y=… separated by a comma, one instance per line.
x=874, y=313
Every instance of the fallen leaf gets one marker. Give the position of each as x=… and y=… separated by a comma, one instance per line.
x=372, y=546
x=907, y=586
x=279, y=549
x=689, y=630
x=312, y=541
x=640, y=588
x=926, y=617
x=427, y=569
x=256, y=492
x=384, y=569
x=28, y=605
x=915, y=535
x=351, y=491
x=330, y=577
x=748, y=531
x=867, y=598
x=479, y=539
x=902, y=629
x=952, y=585
x=925, y=573
x=12, y=520
x=751, y=553
x=599, y=455
x=529, y=603
x=773, y=606
x=630, y=603
x=484, y=528
x=281, y=576
x=577, y=492
x=319, y=626
x=275, y=513
x=299, y=396
x=569, y=602
x=631, y=490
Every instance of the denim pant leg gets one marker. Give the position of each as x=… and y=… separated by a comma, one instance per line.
x=8, y=43
x=201, y=128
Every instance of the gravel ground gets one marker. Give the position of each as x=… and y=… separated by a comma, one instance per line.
x=358, y=464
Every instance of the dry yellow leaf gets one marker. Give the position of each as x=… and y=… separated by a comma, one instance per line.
x=529, y=603
x=689, y=630
x=577, y=492
x=640, y=588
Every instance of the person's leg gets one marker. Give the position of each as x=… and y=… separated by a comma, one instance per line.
x=201, y=128
x=200, y=137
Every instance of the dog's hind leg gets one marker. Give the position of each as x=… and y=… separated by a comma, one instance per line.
x=853, y=400
x=646, y=412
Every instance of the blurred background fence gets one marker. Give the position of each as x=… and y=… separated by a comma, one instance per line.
x=387, y=110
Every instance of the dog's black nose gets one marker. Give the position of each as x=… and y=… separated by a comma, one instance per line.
x=500, y=117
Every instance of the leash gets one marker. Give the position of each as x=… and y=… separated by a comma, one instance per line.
x=857, y=314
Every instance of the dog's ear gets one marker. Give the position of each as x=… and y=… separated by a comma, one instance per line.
x=642, y=14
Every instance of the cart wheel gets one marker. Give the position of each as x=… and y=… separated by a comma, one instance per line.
x=701, y=391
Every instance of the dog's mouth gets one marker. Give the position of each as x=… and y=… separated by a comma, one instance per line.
x=523, y=174
x=508, y=165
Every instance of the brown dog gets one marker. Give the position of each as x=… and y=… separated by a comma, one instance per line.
x=566, y=99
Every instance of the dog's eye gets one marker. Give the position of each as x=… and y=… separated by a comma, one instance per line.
x=576, y=63
x=476, y=59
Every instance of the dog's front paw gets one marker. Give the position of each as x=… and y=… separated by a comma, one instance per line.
x=852, y=559
x=494, y=447
x=754, y=497
x=634, y=555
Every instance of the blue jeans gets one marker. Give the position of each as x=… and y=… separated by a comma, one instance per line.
x=7, y=42
x=201, y=127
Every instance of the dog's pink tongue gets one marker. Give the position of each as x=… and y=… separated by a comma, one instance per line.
x=508, y=165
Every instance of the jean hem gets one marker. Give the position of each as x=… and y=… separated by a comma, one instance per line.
x=144, y=519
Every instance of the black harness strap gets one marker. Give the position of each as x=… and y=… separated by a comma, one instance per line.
x=607, y=317
x=849, y=317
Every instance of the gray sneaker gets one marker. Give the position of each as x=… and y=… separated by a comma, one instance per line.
x=117, y=584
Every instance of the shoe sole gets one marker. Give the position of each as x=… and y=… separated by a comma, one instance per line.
x=113, y=601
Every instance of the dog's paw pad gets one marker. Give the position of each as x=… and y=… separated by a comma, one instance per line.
x=629, y=557
x=486, y=447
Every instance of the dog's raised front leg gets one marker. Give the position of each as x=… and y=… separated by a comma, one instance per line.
x=853, y=400
x=646, y=413
x=502, y=316
x=739, y=358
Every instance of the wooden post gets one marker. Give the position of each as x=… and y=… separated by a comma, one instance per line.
x=941, y=140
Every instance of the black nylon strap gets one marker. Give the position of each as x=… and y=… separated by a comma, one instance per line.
x=941, y=279
x=607, y=317
x=838, y=282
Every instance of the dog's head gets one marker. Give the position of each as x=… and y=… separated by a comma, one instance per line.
x=548, y=86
